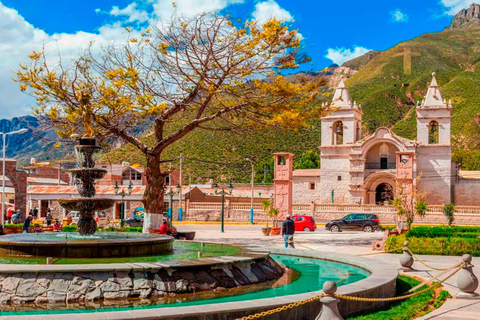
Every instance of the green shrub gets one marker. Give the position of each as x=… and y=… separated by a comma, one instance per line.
x=13, y=225
x=443, y=231
x=70, y=228
x=452, y=246
x=118, y=229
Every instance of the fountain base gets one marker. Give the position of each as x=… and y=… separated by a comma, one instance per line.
x=71, y=245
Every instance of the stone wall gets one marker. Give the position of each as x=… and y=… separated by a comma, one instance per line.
x=99, y=284
x=466, y=192
x=302, y=192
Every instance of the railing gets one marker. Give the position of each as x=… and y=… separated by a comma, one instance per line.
x=354, y=208
x=380, y=166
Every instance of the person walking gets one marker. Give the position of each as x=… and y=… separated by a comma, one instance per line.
x=49, y=219
x=26, y=224
x=288, y=229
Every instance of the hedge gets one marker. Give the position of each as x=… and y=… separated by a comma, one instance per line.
x=444, y=232
x=452, y=246
x=70, y=228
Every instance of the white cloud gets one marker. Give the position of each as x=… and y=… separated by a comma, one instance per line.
x=164, y=9
x=341, y=55
x=398, y=16
x=265, y=11
x=452, y=7
x=19, y=38
x=131, y=12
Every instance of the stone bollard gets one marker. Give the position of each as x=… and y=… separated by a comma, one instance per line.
x=406, y=260
x=467, y=282
x=329, y=309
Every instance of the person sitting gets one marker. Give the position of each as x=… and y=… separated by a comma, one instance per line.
x=37, y=228
x=57, y=227
x=165, y=229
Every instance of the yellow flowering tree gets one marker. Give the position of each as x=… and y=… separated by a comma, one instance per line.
x=203, y=73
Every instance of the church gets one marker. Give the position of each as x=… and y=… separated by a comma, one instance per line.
x=367, y=169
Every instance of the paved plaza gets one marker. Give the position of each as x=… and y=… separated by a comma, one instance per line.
x=347, y=242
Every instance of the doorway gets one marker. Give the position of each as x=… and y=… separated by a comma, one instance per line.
x=383, y=194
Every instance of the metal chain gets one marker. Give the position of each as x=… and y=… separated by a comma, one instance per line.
x=351, y=298
x=380, y=252
x=283, y=308
x=425, y=264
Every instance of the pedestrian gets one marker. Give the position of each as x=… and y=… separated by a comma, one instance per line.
x=9, y=215
x=288, y=229
x=35, y=212
x=49, y=218
x=26, y=224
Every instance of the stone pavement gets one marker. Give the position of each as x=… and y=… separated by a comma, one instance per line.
x=349, y=242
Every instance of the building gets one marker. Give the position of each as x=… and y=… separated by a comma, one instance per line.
x=367, y=169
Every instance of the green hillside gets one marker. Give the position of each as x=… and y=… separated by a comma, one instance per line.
x=388, y=97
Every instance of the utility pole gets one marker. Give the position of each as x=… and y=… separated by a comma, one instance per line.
x=180, y=183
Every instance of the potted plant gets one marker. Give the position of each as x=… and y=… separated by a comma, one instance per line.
x=273, y=212
x=266, y=206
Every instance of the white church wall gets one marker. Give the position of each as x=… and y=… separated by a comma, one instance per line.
x=434, y=166
x=302, y=192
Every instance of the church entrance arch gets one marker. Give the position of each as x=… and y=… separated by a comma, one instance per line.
x=383, y=193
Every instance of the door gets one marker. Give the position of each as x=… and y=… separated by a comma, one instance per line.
x=348, y=222
x=358, y=222
x=383, y=163
x=300, y=223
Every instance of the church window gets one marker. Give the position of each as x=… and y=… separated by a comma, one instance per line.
x=384, y=150
x=433, y=132
x=338, y=133
x=339, y=178
x=282, y=160
x=311, y=185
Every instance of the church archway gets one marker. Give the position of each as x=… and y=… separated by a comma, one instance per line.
x=383, y=193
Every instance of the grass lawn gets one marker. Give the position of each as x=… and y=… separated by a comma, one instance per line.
x=407, y=309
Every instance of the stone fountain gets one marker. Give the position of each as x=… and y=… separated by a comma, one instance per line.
x=84, y=177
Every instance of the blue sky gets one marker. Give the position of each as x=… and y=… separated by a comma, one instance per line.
x=333, y=31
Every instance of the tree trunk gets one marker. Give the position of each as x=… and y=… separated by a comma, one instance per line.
x=153, y=196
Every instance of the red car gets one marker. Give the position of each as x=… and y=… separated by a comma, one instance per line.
x=304, y=223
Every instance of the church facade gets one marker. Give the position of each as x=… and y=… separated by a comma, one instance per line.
x=359, y=169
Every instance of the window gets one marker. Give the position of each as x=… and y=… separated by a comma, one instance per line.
x=167, y=180
x=338, y=133
x=300, y=218
x=311, y=185
x=339, y=178
x=349, y=217
x=433, y=132
x=281, y=160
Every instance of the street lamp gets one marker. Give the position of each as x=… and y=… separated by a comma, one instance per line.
x=251, y=182
x=123, y=193
x=170, y=203
x=180, y=210
x=222, y=192
x=4, y=135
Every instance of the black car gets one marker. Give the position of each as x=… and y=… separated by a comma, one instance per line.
x=355, y=221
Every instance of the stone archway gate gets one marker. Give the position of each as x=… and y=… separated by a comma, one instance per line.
x=19, y=180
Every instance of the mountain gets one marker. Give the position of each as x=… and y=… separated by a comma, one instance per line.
x=377, y=80
x=38, y=142
x=389, y=95
x=467, y=18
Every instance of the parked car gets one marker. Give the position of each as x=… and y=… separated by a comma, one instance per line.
x=355, y=221
x=304, y=223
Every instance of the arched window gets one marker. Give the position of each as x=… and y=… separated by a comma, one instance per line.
x=338, y=132
x=433, y=132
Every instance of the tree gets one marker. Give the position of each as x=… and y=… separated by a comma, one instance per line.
x=203, y=73
x=309, y=160
x=449, y=211
x=409, y=202
x=266, y=206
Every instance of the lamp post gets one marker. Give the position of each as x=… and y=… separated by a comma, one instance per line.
x=180, y=210
x=123, y=193
x=222, y=192
x=170, y=204
x=4, y=135
x=251, y=182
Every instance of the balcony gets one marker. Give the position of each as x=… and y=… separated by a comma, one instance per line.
x=380, y=166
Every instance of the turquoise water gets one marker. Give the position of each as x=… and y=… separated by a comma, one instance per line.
x=305, y=275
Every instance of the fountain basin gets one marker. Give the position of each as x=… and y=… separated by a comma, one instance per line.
x=68, y=245
x=91, y=173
